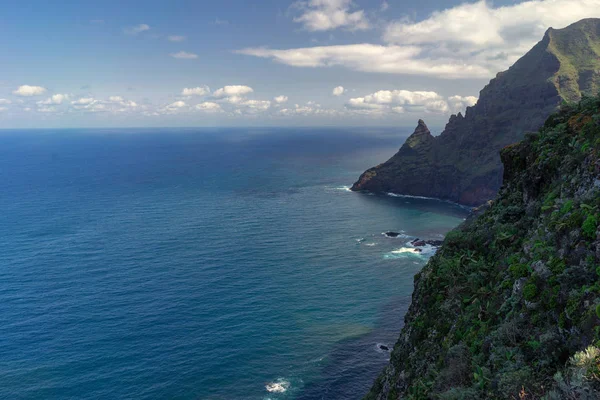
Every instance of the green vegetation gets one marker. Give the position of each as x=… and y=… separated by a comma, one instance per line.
x=509, y=307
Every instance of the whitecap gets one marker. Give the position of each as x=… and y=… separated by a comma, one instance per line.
x=343, y=188
x=411, y=251
x=370, y=244
x=280, y=385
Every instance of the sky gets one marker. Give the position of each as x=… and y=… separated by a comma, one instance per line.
x=260, y=63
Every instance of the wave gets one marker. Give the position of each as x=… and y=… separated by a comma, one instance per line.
x=280, y=385
x=410, y=251
x=408, y=196
x=343, y=188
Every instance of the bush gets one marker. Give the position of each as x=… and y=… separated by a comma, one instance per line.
x=530, y=291
x=589, y=227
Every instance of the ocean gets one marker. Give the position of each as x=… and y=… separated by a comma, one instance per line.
x=202, y=263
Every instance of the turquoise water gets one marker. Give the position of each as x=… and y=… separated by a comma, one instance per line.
x=201, y=264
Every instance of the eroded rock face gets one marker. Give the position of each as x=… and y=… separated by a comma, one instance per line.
x=462, y=164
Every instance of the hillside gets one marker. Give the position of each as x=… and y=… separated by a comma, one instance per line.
x=509, y=307
x=462, y=163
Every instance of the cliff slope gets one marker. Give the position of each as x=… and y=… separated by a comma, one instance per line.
x=462, y=164
x=509, y=307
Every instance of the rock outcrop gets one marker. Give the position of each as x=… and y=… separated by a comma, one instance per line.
x=462, y=163
x=509, y=306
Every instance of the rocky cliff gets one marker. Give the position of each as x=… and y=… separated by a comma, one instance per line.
x=462, y=163
x=509, y=307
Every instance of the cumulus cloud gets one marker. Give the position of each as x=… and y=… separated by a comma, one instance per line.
x=5, y=101
x=55, y=99
x=493, y=37
x=209, y=107
x=27, y=91
x=338, y=91
x=176, y=38
x=115, y=99
x=311, y=108
x=324, y=15
x=280, y=99
x=400, y=101
x=84, y=101
x=177, y=104
x=197, y=91
x=134, y=30
x=471, y=40
x=255, y=105
x=184, y=55
x=460, y=103
x=233, y=91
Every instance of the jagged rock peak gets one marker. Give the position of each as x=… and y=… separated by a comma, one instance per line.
x=422, y=129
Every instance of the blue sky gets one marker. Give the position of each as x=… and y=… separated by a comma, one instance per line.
x=271, y=63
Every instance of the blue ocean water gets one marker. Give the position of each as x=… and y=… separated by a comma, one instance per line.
x=201, y=264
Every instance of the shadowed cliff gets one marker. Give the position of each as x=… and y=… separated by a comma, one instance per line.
x=462, y=164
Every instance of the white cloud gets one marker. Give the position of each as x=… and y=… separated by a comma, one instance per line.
x=256, y=105
x=384, y=6
x=176, y=38
x=361, y=103
x=183, y=55
x=460, y=103
x=197, y=91
x=3, y=109
x=471, y=40
x=177, y=104
x=55, y=99
x=116, y=99
x=232, y=91
x=401, y=101
x=280, y=99
x=492, y=37
x=47, y=109
x=309, y=109
x=373, y=58
x=26, y=90
x=338, y=91
x=209, y=107
x=84, y=101
x=134, y=30
x=5, y=101
x=324, y=15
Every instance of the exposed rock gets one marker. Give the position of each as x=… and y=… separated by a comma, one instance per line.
x=462, y=163
x=392, y=234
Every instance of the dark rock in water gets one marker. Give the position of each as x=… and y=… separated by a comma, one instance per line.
x=384, y=347
x=392, y=234
x=462, y=164
x=420, y=242
x=418, y=250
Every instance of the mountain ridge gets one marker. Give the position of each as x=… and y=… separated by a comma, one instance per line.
x=462, y=163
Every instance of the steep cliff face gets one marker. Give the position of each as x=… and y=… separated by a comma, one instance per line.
x=509, y=307
x=462, y=164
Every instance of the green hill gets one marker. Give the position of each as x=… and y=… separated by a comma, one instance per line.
x=509, y=307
